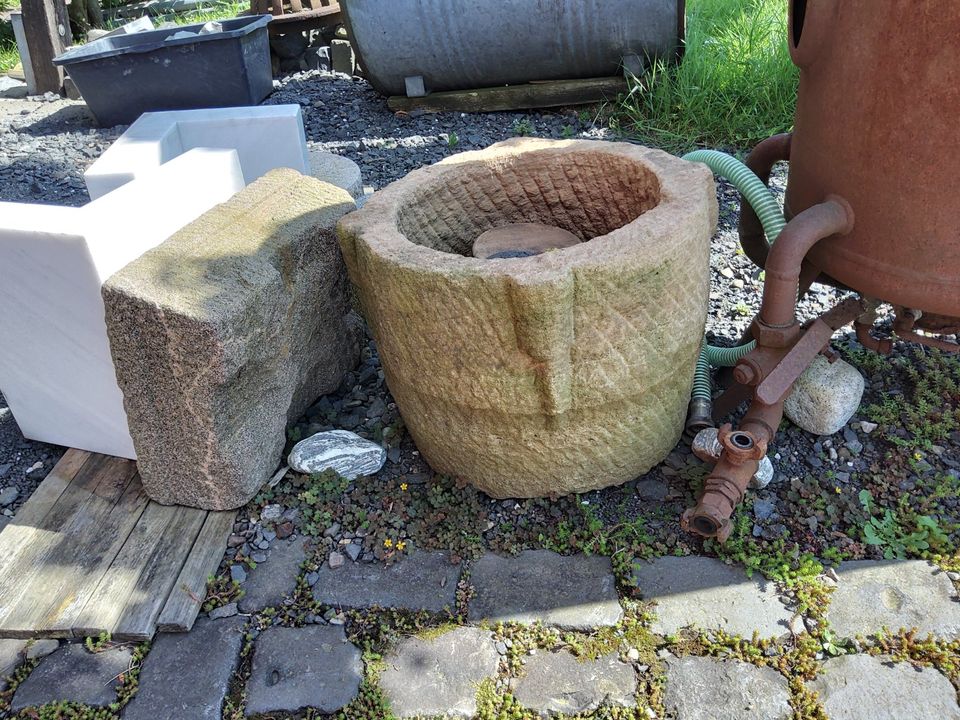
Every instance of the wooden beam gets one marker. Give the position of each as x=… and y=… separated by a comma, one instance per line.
x=47, y=30
x=514, y=97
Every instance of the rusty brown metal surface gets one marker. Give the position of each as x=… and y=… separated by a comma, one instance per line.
x=876, y=123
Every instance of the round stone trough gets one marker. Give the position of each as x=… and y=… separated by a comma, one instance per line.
x=560, y=372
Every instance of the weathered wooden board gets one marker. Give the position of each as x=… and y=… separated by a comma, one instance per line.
x=514, y=97
x=188, y=593
x=89, y=552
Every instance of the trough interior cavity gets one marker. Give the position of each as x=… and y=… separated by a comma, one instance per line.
x=588, y=193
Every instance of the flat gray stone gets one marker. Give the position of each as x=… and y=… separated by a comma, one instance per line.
x=871, y=595
x=703, y=688
x=861, y=687
x=560, y=683
x=421, y=581
x=11, y=657
x=271, y=581
x=41, y=648
x=336, y=170
x=424, y=678
x=208, y=654
x=12, y=89
x=296, y=668
x=342, y=451
x=577, y=592
x=73, y=674
x=705, y=593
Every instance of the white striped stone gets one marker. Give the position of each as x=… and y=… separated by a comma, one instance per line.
x=344, y=452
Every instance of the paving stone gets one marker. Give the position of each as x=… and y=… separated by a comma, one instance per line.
x=439, y=676
x=270, y=582
x=576, y=592
x=896, y=594
x=561, y=683
x=208, y=654
x=422, y=581
x=295, y=668
x=703, y=688
x=11, y=656
x=41, y=648
x=861, y=687
x=75, y=675
x=705, y=593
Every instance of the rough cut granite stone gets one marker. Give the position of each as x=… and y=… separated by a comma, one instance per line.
x=439, y=677
x=576, y=592
x=342, y=451
x=421, y=581
x=271, y=581
x=703, y=688
x=861, y=687
x=705, y=593
x=73, y=674
x=871, y=595
x=226, y=332
x=558, y=373
x=559, y=682
x=187, y=675
x=296, y=668
x=825, y=396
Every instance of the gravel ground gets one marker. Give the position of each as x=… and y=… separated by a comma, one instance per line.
x=814, y=500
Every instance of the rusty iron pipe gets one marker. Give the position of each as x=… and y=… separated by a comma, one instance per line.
x=761, y=160
x=782, y=280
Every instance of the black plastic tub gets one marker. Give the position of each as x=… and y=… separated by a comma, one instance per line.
x=123, y=76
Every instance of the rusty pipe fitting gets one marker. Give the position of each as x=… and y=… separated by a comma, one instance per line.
x=761, y=160
x=782, y=281
x=863, y=326
x=904, y=325
x=739, y=463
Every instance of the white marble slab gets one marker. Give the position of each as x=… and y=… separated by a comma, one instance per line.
x=56, y=371
x=265, y=138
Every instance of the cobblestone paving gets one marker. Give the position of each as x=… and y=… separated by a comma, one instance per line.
x=683, y=650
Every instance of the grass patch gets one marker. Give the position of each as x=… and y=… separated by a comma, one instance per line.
x=735, y=86
x=9, y=55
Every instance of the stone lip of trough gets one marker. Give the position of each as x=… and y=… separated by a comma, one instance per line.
x=681, y=188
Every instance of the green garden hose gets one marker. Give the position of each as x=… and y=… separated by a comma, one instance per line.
x=771, y=217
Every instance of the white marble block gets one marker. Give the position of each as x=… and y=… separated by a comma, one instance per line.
x=265, y=138
x=56, y=371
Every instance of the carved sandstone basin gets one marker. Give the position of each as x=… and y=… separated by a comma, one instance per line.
x=563, y=372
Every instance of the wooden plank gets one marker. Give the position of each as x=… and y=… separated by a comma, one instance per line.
x=514, y=97
x=188, y=593
x=139, y=619
x=108, y=600
x=296, y=6
x=74, y=556
x=82, y=567
x=47, y=30
x=36, y=530
x=48, y=492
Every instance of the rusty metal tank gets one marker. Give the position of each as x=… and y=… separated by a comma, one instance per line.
x=877, y=124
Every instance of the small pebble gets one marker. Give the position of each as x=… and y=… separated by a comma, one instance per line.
x=336, y=560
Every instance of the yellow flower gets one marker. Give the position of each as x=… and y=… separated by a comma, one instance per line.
x=837, y=490
x=401, y=545
x=388, y=543
x=403, y=486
